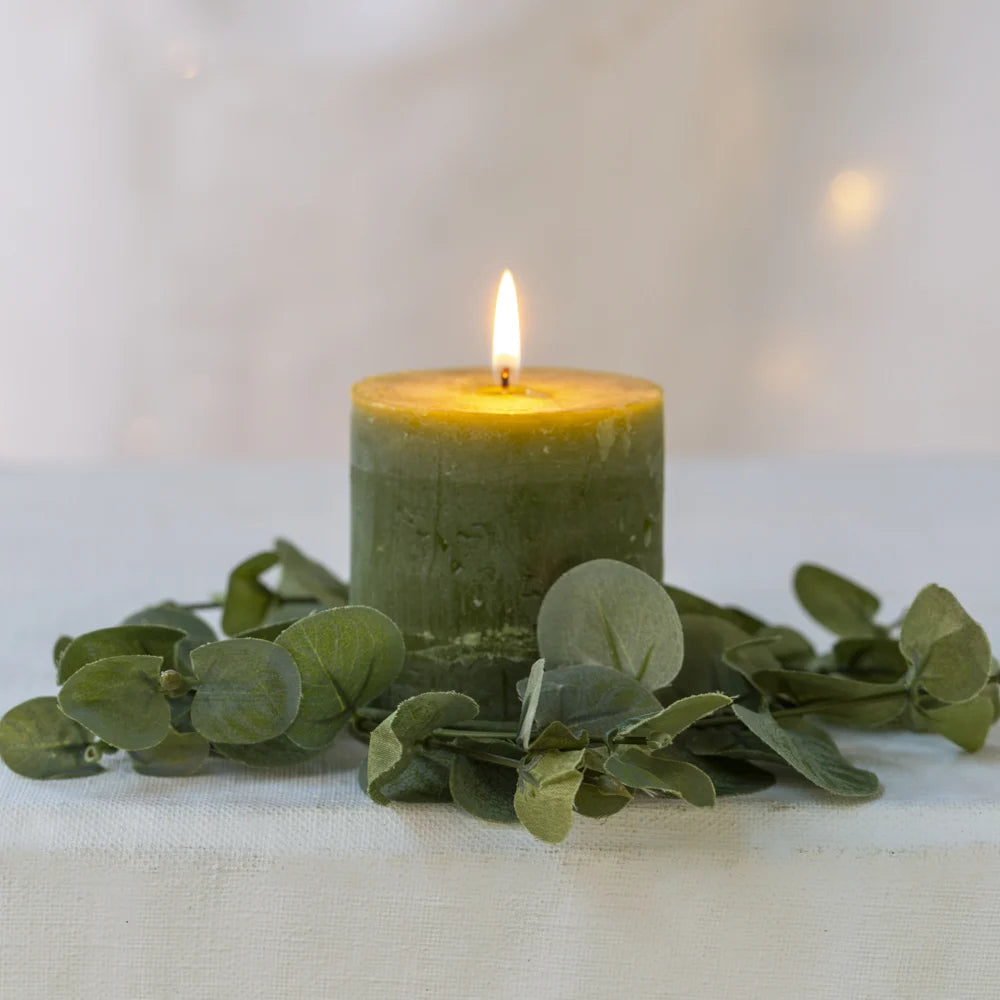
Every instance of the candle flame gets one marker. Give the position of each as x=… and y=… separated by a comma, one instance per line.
x=506, y=333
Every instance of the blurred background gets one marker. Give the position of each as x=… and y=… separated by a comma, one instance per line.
x=217, y=214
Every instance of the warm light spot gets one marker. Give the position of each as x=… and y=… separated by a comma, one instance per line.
x=143, y=438
x=853, y=201
x=183, y=62
x=506, y=333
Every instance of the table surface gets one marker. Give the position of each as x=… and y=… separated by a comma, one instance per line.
x=421, y=900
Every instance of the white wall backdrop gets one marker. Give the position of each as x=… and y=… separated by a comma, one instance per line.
x=216, y=214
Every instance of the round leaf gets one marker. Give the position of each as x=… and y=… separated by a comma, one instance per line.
x=121, y=640
x=279, y=752
x=839, y=604
x=483, y=789
x=37, y=740
x=171, y=616
x=176, y=755
x=119, y=699
x=248, y=691
x=611, y=614
x=948, y=649
x=546, y=793
x=347, y=657
x=591, y=698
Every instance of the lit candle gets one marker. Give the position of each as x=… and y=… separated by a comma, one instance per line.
x=472, y=492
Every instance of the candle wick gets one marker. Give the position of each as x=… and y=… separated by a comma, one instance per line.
x=505, y=378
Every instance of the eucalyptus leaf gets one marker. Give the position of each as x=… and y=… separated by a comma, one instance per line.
x=661, y=729
x=687, y=603
x=735, y=777
x=485, y=790
x=176, y=755
x=425, y=779
x=120, y=640
x=532, y=690
x=601, y=797
x=839, y=604
x=118, y=698
x=789, y=646
x=279, y=752
x=249, y=691
x=966, y=723
x=611, y=614
x=592, y=698
x=347, y=657
x=546, y=793
x=871, y=659
x=171, y=616
x=395, y=741
x=638, y=768
x=706, y=639
x=810, y=751
x=37, y=740
x=271, y=630
x=731, y=742
x=59, y=648
x=557, y=736
x=861, y=703
x=248, y=600
x=302, y=577
x=948, y=651
x=752, y=657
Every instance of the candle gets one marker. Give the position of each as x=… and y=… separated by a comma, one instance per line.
x=472, y=491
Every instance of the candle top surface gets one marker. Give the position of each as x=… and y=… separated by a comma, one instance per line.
x=473, y=391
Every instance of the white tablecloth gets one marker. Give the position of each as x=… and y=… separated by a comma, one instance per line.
x=294, y=885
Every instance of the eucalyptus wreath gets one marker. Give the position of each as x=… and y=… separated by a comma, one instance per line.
x=640, y=690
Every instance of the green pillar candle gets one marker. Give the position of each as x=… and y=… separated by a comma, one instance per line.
x=468, y=500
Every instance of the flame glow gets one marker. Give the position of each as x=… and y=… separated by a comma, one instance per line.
x=506, y=333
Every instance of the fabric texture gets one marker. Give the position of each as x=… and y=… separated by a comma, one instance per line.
x=294, y=885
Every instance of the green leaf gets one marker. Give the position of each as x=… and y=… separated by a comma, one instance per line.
x=967, y=723
x=396, y=740
x=752, y=657
x=120, y=640
x=556, y=736
x=347, y=657
x=734, y=742
x=248, y=691
x=811, y=752
x=687, y=603
x=661, y=729
x=839, y=604
x=171, y=616
x=302, y=577
x=279, y=752
x=872, y=659
x=59, y=648
x=425, y=779
x=592, y=698
x=858, y=702
x=949, y=651
x=790, y=647
x=270, y=631
x=248, y=601
x=118, y=698
x=546, y=792
x=638, y=768
x=38, y=741
x=532, y=690
x=735, y=777
x=705, y=641
x=613, y=615
x=485, y=790
x=601, y=797
x=176, y=755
